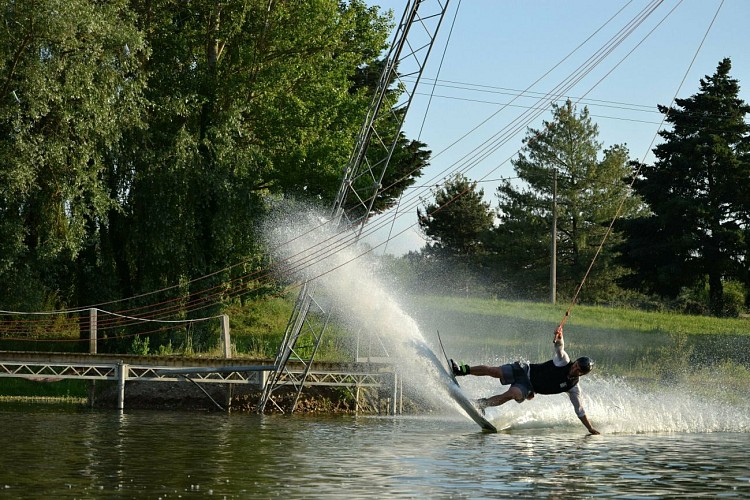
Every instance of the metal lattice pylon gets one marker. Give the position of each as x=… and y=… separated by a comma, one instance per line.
x=362, y=180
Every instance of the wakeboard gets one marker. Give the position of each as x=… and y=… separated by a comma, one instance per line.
x=454, y=389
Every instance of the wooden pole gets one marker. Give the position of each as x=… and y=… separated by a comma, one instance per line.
x=225, y=336
x=92, y=330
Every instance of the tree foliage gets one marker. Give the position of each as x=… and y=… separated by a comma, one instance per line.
x=456, y=224
x=69, y=87
x=589, y=193
x=140, y=141
x=458, y=220
x=404, y=166
x=697, y=192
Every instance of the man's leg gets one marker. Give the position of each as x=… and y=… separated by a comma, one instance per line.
x=479, y=371
x=514, y=393
x=487, y=371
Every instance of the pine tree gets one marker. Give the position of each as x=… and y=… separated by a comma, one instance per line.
x=697, y=192
x=457, y=219
x=457, y=224
x=589, y=193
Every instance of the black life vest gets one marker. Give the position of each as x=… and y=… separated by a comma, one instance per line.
x=546, y=378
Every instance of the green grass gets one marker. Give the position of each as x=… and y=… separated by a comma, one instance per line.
x=257, y=328
x=598, y=317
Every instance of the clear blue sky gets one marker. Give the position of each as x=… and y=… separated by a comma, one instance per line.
x=489, y=51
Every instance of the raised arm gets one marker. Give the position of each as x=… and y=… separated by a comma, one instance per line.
x=561, y=357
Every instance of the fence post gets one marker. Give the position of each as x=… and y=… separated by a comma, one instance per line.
x=92, y=330
x=225, y=336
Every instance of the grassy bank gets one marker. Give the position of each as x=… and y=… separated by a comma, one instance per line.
x=624, y=342
x=597, y=317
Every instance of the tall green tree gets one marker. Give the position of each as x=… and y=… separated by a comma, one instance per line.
x=69, y=85
x=697, y=191
x=456, y=225
x=589, y=193
x=248, y=100
x=458, y=219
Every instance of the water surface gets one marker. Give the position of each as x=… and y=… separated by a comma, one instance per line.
x=63, y=452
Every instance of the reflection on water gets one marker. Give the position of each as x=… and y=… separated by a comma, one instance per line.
x=54, y=452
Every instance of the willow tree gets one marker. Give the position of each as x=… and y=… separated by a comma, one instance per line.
x=564, y=155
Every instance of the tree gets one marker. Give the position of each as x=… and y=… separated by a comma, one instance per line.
x=247, y=101
x=409, y=157
x=456, y=224
x=589, y=193
x=140, y=142
x=70, y=86
x=697, y=192
x=458, y=219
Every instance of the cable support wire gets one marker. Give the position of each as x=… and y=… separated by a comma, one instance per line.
x=488, y=89
x=487, y=148
x=78, y=339
x=508, y=105
x=73, y=324
x=491, y=145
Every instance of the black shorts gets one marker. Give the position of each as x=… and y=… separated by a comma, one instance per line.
x=515, y=375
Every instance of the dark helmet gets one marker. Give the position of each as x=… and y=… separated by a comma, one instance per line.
x=585, y=364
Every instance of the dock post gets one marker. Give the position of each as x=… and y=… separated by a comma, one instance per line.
x=227, y=355
x=92, y=350
x=356, y=400
x=394, y=404
x=122, y=375
x=400, y=396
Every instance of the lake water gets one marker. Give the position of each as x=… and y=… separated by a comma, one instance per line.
x=685, y=433
x=57, y=451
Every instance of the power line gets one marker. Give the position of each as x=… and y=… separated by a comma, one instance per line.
x=535, y=95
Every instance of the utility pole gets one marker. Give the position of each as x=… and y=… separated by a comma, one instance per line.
x=553, y=245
